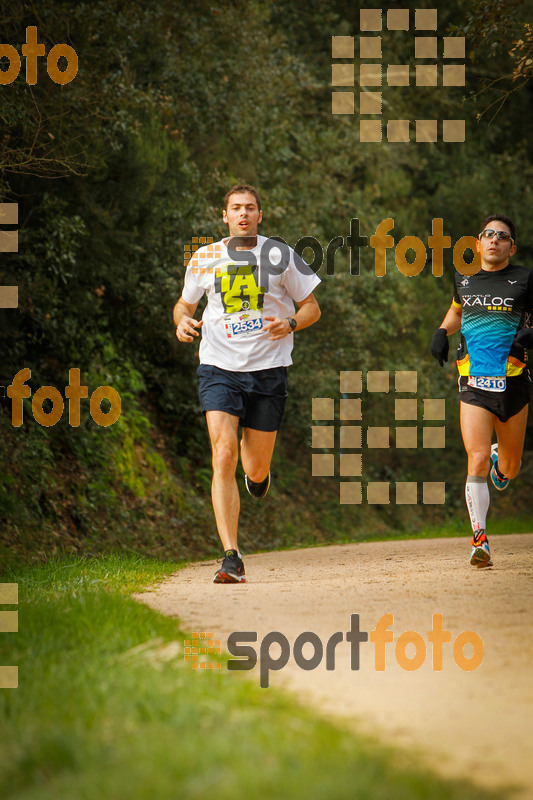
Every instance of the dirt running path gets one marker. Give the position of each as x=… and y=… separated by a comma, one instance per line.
x=458, y=720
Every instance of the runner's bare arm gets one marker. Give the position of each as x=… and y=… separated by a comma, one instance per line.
x=452, y=320
x=183, y=320
x=308, y=313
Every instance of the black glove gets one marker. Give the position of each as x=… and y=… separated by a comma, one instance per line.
x=524, y=338
x=440, y=346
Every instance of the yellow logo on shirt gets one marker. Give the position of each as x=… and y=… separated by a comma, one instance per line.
x=238, y=288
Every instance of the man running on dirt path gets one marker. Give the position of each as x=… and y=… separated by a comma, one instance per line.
x=247, y=337
x=494, y=311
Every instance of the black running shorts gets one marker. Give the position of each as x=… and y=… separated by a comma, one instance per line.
x=503, y=404
x=257, y=398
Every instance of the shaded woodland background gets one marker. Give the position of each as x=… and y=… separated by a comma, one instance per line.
x=116, y=171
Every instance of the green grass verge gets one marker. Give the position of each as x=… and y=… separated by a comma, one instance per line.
x=456, y=527
x=93, y=719
x=449, y=530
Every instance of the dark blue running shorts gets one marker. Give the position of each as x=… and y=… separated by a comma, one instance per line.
x=257, y=398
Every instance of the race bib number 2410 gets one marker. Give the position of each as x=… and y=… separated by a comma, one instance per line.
x=488, y=384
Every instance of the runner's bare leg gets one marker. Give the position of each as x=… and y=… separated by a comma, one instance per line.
x=257, y=448
x=222, y=428
x=511, y=435
x=477, y=425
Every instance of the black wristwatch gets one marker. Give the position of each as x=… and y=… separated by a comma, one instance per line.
x=292, y=323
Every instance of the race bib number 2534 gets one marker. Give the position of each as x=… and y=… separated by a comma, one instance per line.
x=241, y=325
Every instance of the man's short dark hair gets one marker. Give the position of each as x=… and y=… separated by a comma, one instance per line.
x=237, y=189
x=500, y=218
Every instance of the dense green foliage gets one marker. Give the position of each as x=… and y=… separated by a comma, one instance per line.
x=117, y=170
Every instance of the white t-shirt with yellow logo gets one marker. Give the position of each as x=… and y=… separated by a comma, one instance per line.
x=242, y=288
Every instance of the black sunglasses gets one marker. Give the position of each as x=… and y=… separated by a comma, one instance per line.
x=502, y=236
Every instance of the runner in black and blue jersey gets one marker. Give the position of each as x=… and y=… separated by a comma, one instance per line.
x=493, y=309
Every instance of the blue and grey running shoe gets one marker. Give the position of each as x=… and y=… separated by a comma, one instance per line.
x=499, y=482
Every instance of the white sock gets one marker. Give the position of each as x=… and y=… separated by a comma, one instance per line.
x=477, y=501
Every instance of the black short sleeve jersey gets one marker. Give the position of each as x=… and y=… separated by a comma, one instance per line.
x=495, y=305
